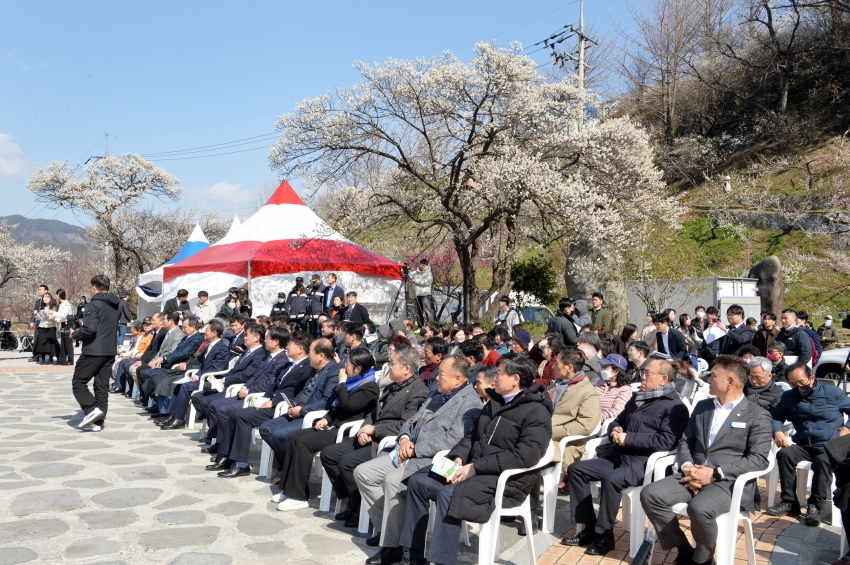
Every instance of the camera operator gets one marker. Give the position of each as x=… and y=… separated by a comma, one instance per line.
x=422, y=279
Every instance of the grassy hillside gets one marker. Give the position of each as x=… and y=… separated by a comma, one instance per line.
x=47, y=232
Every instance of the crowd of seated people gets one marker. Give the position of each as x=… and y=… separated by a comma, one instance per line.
x=493, y=401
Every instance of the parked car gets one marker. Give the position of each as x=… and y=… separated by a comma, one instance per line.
x=536, y=314
x=831, y=363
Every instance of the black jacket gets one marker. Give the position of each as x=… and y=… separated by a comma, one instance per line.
x=187, y=347
x=100, y=325
x=676, y=341
x=767, y=398
x=356, y=314
x=562, y=324
x=296, y=303
x=152, y=350
x=736, y=338
x=390, y=415
x=278, y=309
x=315, y=301
x=656, y=425
x=291, y=383
x=124, y=316
x=174, y=305
x=245, y=367
x=352, y=405
x=506, y=436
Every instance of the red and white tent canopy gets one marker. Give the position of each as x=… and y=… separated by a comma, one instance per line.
x=283, y=240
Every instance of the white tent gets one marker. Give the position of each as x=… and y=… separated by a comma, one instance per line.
x=283, y=240
x=150, y=283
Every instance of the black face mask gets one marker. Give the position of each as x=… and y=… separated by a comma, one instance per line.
x=805, y=390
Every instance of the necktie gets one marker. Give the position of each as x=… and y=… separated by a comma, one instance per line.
x=330, y=292
x=264, y=364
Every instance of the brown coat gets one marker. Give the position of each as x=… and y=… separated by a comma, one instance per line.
x=764, y=338
x=577, y=413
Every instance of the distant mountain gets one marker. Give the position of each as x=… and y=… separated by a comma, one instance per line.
x=46, y=232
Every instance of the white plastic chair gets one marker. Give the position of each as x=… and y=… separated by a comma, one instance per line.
x=266, y=454
x=783, y=385
x=192, y=412
x=432, y=515
x=363, y=525
x=309, y=420
x=344, y=431
x=552, y=475
x=727, y=523
x=635, y=387
x=488, y=535
x=634, y=517
x=804, y=484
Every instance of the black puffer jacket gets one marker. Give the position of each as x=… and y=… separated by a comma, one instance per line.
x=506, y=436
x=100, y=325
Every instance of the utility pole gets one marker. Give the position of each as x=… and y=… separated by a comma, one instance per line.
x=107, y=139
x=579, y=59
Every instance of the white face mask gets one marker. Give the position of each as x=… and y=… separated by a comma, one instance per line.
x=280, y=300
x=231, y=304
x=827, y=323
x=605, y=375
x=700, y=314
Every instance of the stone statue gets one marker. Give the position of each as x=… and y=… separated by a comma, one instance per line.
x=771, y=287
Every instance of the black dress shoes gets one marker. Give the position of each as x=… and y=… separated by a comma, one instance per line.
x=211, y=449
x=220, y=464
x=115, y=389
x=601, y=545
x=348, y=512
x=814, y=516
x=152, y=410
x=235, y=471
x=407, y=559
x=354, y=521
x=175, y=425
x=387, y=556
x=374, y=541
x=584, y=539
x=164, y=421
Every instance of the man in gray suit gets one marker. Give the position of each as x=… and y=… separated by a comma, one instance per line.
x=443, y=420
x=726, y=437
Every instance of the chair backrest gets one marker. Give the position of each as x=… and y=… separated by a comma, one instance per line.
x=702, y=365
x=311, y=417
x=783, y=385
x=604, y=427
x=232, y=390
x=635, y=387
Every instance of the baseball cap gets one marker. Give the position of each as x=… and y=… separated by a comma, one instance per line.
x=828, y=317
x=299, y=279
x=616, y=360
x=281, y=295
x=315, y=277
x=147, y=320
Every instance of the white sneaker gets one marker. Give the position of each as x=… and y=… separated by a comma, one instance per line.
x=290, y=505
x=92, y=416
x=92, y=428
x=279, y=497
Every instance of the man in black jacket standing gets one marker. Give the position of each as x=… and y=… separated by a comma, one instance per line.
x=513, y=432
x=100, y=326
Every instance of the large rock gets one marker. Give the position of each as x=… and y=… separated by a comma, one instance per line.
x=771, y=286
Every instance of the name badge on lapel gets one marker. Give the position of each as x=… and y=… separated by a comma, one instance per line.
x=740, y=425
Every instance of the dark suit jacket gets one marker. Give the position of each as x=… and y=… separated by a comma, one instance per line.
x=656, y=425
x=291, y=381
x=323, y=389
x=214, y=358
x=184, y=351
x=245, y=367
x=359, y=314
x=174, y=305
x=735, y=339
x=337, y=291
x=676, y=340
x=736, y=450
x=265, y=379
x=154, y=347
x=238, y=341
x=390, y=415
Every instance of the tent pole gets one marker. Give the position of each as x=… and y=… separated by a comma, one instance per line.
x=249, y=278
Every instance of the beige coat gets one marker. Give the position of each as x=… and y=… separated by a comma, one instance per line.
x=577, y=413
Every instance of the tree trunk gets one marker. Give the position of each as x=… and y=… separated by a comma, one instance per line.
x=466, y=260
x=589, y=270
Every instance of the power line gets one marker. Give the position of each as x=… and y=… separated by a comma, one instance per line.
x=213, y=155
x=524, y=23
x=207, y=125
x=217, y=146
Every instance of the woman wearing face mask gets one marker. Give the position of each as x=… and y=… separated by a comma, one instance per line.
x=46, y=346
x=230, y=306
x=613, y=386
x=776, y=354
x=827, y=334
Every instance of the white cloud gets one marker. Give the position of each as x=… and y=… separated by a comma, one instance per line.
x=219, y=195
x=12, y=162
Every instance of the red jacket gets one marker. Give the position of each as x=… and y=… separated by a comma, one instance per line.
x=490, y=360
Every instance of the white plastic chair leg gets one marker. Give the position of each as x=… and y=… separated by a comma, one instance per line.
x=363, y=524
x=325, y=497
x=266, y=459
x=192, y=414
x=803, y=481
x=526, y=517
x=550, y=501
x=634, y=518
x=488, y=541
x=772, y=481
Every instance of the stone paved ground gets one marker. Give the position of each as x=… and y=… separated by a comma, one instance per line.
x=134, y=494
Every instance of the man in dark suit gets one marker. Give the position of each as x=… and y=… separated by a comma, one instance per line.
x=157, y=326
x=738, y=333
x=245, y=366
x=653, y=420
x=180, y=304
x=332, y=289
x=237, y=326
x=726, y=437
x=236, y=433
x=669, y=340
x=184, y=351
x=317, y=394
x=354, y=313
x=214, y=357
x=263, y=380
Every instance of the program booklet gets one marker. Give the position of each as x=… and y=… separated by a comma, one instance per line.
x=445, y=468
x=256, y=401
x=217, y=384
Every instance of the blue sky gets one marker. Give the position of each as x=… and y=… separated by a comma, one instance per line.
x=166, y=76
